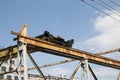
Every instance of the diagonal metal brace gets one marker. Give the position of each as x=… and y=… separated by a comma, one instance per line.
x=93, y=74
x=37, y=67
x=75, y=71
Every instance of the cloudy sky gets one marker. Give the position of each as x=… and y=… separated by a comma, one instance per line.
x=92, y=30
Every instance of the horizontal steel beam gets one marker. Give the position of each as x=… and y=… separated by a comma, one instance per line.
x=53, y=64
x=109, y=51
x=3, y=52
x=68, y=52
x=14, y=48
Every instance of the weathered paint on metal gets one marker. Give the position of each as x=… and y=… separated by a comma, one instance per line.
x=61, y=51
x=71, y=53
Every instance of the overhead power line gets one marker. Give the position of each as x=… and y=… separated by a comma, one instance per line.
x=109, y=6
x=114, y=3
x=100, y=10
x=106, y=7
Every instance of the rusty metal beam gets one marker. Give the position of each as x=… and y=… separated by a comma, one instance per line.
x=53, y=64
x=32, y=49
x=61, y=62
x=3, y=52
x=43, y=66
x=68, y=52
x=71, y=60
x=109, y=51
x=40, y=45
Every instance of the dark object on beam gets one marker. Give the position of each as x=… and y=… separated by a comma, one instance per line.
x=65, y=52
x=56, y=39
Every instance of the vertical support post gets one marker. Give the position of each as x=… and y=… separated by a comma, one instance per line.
x=82, y=69
x=10, y=61
x=22, y=51
x=85, y=68
x=19, y=61
x=23, y=47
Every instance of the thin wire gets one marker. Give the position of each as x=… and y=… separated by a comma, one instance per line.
x=100, y=10
x=114, y=3
x=108, y=8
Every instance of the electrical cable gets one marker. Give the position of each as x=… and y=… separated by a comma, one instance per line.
x=100, y=10
x=114, y=3
x=108, y=8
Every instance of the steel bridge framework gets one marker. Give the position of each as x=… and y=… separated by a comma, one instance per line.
x=27, y=44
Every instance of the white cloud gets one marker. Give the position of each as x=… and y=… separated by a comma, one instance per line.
x=109, y=34
x=104, y=73
x=108, y=38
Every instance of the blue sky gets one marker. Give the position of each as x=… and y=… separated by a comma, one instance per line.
x=70, y=19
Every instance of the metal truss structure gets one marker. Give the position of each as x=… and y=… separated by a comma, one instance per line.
x=27, y=44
